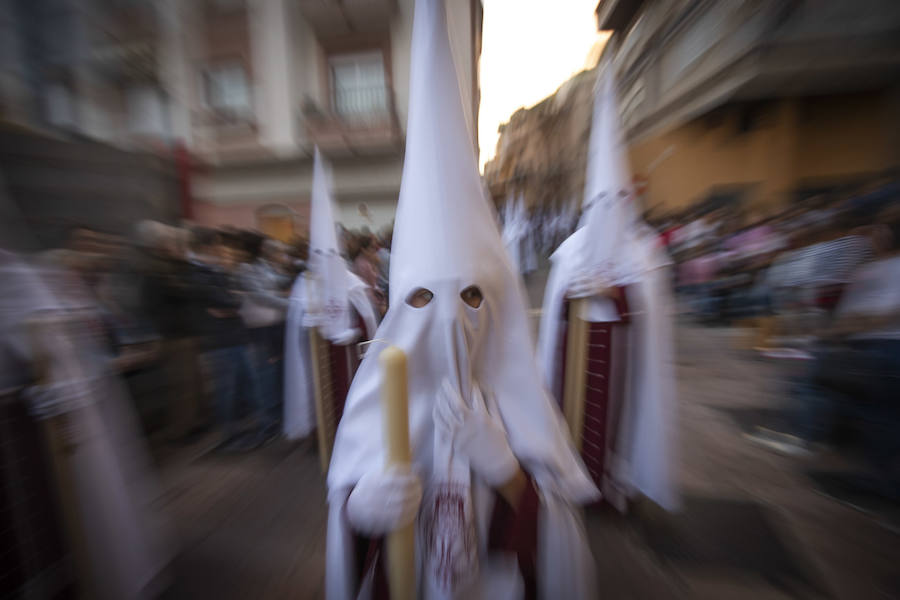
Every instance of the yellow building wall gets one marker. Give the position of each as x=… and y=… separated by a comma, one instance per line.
x=792, y=143
x=846, y=136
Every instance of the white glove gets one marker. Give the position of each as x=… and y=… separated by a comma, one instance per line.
x=347, y=336
x=384, y=501
x=477, y=434
x=585, y=285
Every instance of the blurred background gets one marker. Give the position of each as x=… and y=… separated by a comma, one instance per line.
x=155, y=175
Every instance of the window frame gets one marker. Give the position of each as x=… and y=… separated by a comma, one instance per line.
x=357, y=59
x=245, y=113
x=336, y=47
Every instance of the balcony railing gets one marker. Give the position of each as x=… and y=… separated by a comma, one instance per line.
x=362, y=104
x=362, y=122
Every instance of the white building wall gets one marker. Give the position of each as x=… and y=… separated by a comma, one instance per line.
x=272, y=90
x=288, y=64
x=304, y=64
x=175, y=70
x=401, y=35
x=146, y=113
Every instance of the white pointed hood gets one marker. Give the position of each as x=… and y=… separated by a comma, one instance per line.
x=608, y=215
x=444, y=223
x=323, y=298
x=326, y=299
x=445, y=240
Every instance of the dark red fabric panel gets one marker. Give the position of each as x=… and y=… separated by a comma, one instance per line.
x=604, y=385
x=618, y=372
x=340, y=378
x=596, y=400
x=515, y=530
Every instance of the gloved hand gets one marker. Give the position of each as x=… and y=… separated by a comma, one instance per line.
x=347, y=336
x=585, y=285
x=384, y=501
x=477, y=434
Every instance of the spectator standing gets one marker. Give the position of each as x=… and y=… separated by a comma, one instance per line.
x=365, y=265
x=168, y=302
x=365, y=261
x=384, y=262
x=852, y=376
x=227, y=350
x=263, y=310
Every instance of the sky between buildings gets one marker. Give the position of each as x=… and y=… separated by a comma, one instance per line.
x=529, y=48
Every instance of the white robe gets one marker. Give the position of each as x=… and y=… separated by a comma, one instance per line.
x=299, y=403
x=649, y=418
x=512, y=239
x=530, y=263
x=534, y=427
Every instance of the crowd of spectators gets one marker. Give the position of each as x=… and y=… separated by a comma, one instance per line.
x=820, y=282
x=732, y=264
x=194, y=319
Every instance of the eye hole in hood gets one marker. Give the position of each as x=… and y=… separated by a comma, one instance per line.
x=419, y=297
x=472, y=296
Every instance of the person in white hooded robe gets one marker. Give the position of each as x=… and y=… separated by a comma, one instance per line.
x=105, y=488
x=613, y=261
x=328, y=297
x=494, y=484
x=513, y=232
x=529, y=239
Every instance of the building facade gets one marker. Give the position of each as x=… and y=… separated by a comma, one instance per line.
x=541, y=154
x=755, y=102
x=239, y=92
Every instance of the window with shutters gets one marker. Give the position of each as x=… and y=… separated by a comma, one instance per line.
x=358, y=84
x=228, y=90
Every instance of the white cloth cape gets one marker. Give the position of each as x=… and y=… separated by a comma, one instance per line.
x=649, y=419
x=299, y=405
